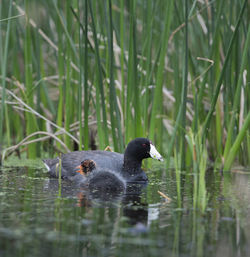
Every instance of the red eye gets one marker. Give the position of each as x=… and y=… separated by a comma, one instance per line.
x=144, y=145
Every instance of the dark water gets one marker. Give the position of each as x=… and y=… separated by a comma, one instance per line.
x=39, y=219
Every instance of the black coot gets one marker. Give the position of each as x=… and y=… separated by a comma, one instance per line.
x=102, y=180
x=127, y=164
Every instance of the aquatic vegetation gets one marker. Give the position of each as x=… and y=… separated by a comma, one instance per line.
x=87, y=74
x=199, y=157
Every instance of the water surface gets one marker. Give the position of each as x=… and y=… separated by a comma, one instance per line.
x=37, y=218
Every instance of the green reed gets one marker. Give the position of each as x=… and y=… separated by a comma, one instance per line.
x=4, y=54
x=86, y=90
x=199, y=157
x=160, y=70
x=194, y=185
x=29, y=97
x=130, y=127
x=106, y=72
x=100, y=97
x=114, y=109
x=60, y=61
x=178, y=178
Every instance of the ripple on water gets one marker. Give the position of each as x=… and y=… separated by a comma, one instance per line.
x=37, y=214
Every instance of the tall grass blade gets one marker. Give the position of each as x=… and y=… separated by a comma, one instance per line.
x=68, y=93
x=31, y=124
x=101, y=122
x=65, y=27
x=236, y=145
x=122, y=56
x=236, y=100
x=184, y=93
x=178, y=177
x=173, y=137
x=219, y=83
x=83, y=75
x=160, y=70
x=214, y=47
x=60, y=61
x=114, y=110
x=86, y=93
x=4, y=54
x=81, y=133
x=147, y=52
x=130, y=123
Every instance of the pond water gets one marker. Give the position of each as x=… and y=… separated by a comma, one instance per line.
x=39, y=218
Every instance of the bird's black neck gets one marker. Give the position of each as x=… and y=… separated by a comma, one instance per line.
x=131, y=165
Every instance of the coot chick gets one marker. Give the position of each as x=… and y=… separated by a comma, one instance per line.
x=99, y=180
x=86, y=167
x=127, y=164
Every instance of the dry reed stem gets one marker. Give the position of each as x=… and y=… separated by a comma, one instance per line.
x=165, y=196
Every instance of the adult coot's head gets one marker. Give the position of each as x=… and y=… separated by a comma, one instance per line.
x=137, y=150
x=141, y=148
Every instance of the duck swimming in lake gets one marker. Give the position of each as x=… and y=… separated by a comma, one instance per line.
x=128, y=165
